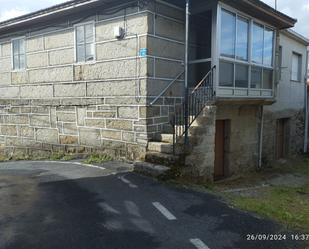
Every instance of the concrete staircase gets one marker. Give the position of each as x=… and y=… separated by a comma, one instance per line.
x=199, y=101
x=161, y=151
x=160, y=157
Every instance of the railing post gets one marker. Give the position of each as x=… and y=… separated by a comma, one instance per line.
x=186, y=73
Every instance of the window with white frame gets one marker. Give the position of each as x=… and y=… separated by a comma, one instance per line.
x=85, y=42
x=18, y=54
x=296, y=67
x=246, y=52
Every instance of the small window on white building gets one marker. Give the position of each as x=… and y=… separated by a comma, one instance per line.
x=18, y=54
x=296, y=67
x=85, y=42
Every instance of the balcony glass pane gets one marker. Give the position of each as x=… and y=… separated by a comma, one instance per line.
x=267, y=79
x=226, y=74
x=257, y=43
x=228, y=34
x=241, y=76
x=268, y=47
x=242, y=39
x=256, y=77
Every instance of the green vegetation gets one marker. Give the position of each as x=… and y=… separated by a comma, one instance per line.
x=62, y=157
x=97, y=159
x=287, y=204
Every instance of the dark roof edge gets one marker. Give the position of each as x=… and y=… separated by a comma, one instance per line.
x=44, y=12
x=290, y=22
x=271, y=10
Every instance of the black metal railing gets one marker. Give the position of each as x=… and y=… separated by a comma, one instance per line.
x=178, y=77
x=198, y=98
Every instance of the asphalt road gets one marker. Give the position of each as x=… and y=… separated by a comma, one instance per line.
x=51, y=205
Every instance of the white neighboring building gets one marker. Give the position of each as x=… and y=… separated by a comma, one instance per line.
x=286, y=115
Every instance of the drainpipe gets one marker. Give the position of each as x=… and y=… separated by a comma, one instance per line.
x=306, y=108
x=187, y=72
x=261, y=137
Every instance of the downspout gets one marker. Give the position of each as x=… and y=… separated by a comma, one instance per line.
x=187, y=73
x=306, y=107
x=261, y=137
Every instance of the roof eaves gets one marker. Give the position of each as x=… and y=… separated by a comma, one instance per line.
x=271, y=9
x=44, y=12
x=293, y=34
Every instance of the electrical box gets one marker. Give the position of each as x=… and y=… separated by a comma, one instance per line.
x=119, y=32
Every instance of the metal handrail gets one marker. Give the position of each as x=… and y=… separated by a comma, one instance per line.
x=202, y=81
x=166, y=88
x=202, y=95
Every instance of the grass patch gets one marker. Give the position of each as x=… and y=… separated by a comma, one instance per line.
x=56, y=156
x=288, y=205
x=62, y=157
x=98, y=159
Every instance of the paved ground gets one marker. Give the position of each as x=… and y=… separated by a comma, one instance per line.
x=53, y=205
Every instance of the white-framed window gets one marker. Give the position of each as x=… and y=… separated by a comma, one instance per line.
x=85, y=42
x=296, y=67
x=18, y=54
x=246, y=52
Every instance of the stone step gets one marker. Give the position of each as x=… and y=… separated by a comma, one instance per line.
x=165, y=138
x=160, y=147
x=150, y=169
x=162, y=158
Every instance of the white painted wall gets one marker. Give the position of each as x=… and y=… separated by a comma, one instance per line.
x=290, y=94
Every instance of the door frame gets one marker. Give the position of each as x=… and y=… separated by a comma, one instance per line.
x=225, y=144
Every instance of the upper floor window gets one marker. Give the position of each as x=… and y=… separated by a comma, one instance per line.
x=262, y=45
x=228, y=34
x=296, y=67
x=18, y=54
x=85, y=42
x=242, y=39
x=246, y=52
x=234, y=36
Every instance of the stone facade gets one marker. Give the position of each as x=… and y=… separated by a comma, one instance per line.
x=242, y=147
x=293, y=137
x=200, y=162
x=56, y=104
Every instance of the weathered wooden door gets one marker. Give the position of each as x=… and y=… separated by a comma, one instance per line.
x=280, y=138
x=219, y=149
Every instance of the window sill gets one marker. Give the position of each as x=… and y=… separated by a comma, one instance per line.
x=85, y=63
x=19, y=70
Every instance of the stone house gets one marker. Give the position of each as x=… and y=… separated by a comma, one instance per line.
x=286, y=115
x=108, y=76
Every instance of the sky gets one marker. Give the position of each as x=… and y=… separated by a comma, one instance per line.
x=298, y=9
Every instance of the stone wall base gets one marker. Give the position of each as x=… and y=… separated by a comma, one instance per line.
x=40, y=127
